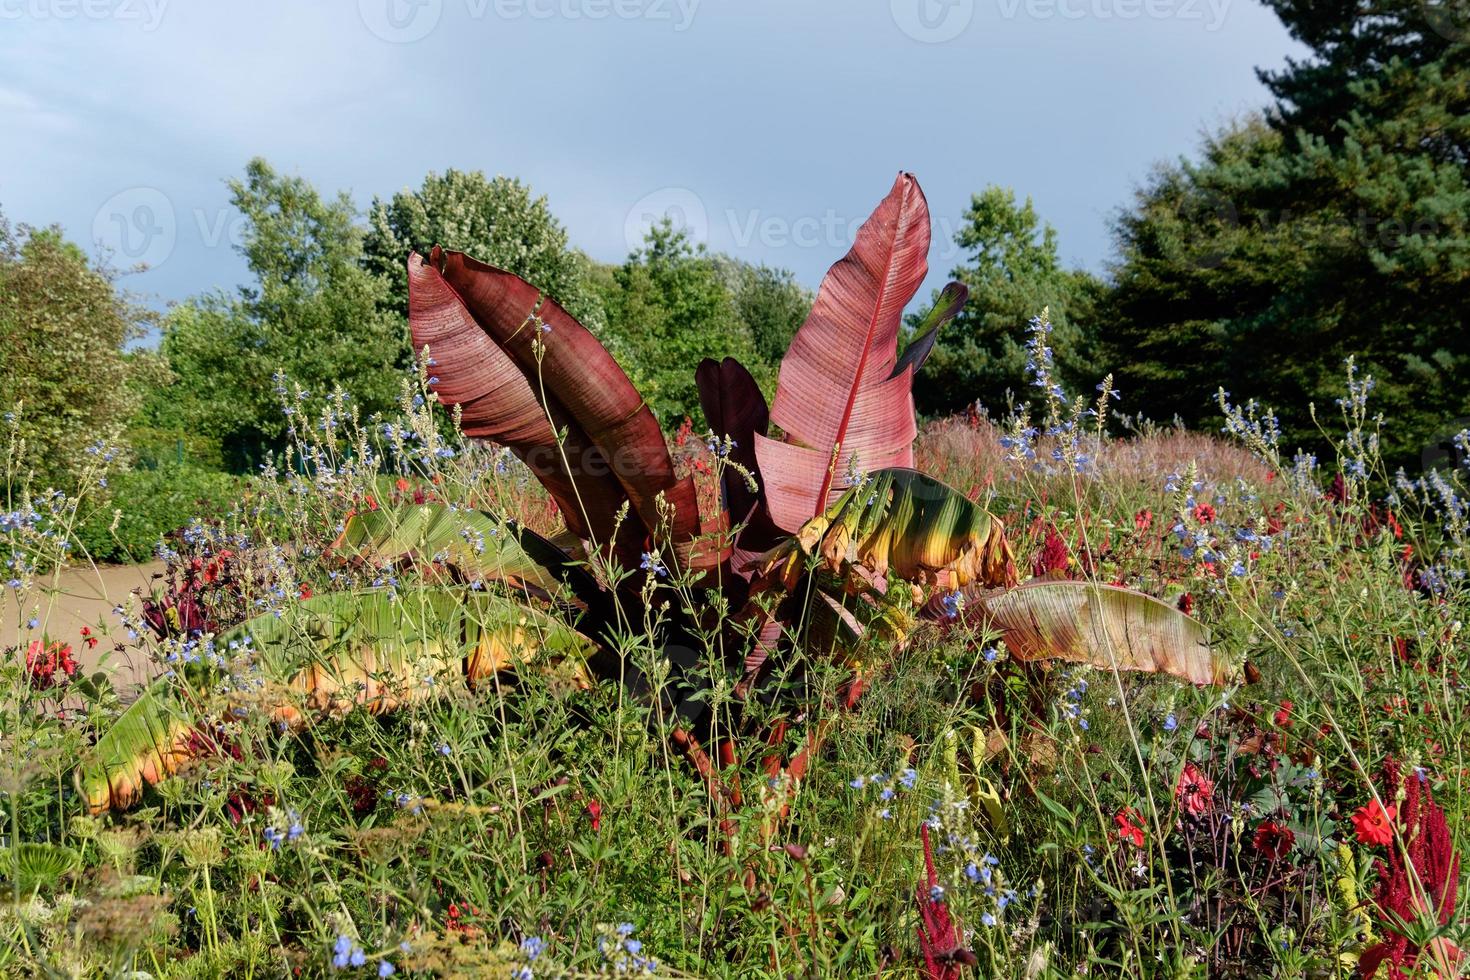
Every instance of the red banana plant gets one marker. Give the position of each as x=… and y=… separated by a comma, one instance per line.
x=834, y=507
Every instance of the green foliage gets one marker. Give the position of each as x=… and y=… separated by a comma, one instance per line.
x=772, y=305
x=668, y=307
x=1337, y=225
x=138, y=507
x=313, y=311
x=63, y=330
x=1013, y=273
x=497, y=221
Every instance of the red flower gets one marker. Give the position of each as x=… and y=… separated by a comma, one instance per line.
x=304, y=591
x=1283, y=715
x=1274, y=839
x=88, y=638
x=1130, y=825
x=1374, y=823
x=461, y=918
x=594, y=815
x=1194, y=791
x=1186, y=603
x=45, y=660
x=1204, y=513
x=1143, y=520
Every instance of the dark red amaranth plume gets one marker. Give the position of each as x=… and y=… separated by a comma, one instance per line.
x=1051, y=562
x=939, y=933
x=1418, y=880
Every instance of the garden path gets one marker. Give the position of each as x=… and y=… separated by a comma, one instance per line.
x=82, y=596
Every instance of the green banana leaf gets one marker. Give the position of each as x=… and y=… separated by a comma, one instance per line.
x=376, y=649
x=478, y=544
x=900, y=524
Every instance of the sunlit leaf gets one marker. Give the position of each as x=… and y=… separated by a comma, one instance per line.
x=1103, y=625
x=841, y=395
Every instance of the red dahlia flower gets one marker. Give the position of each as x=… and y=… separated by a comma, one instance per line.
x=1274, y=839
x=1374, y=823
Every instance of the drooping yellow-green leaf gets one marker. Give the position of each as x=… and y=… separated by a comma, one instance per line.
x=145, y=744
x=901, y=524
x=479, y=545
x=1102, y=625
x=377, y=649
x=381, y=648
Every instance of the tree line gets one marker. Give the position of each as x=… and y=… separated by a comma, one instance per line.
x=1331, y=223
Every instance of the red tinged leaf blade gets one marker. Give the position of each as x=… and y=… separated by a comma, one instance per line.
x=498, y=403
x=620, y=438
x=735, y=407
x=842, y=400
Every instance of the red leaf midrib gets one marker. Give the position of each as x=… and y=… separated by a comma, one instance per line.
x=836, y=451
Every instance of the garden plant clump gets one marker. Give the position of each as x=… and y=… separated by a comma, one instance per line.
x=388, y=728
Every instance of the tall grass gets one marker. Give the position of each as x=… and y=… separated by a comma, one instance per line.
x=1084, y=822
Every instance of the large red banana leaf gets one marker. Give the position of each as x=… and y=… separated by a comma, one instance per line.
x=839, y=397
x=498, y=403
x=618, y=441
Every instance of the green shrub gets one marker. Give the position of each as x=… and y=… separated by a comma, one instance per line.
x=144, y=505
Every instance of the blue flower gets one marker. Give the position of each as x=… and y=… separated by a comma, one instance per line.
x=1170, y=722
x=909, y=777
x=443, y=748
x=342, y=952
x=951, y=604
x=532, y=946
x=385, y=969
x=987, y=919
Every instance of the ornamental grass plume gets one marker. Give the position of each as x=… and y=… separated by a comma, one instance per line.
x=1417, y=884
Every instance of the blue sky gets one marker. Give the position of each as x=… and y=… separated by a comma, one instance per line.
x=768, y=126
